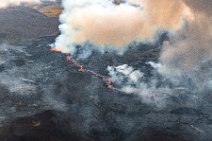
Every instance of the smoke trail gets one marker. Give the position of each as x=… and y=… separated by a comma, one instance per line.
x=106, y=25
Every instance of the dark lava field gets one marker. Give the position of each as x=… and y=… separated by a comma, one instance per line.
x=43, y=97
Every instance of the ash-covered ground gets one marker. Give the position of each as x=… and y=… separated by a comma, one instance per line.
x=44, y=97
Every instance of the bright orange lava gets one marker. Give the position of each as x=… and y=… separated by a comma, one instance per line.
x=55, y=49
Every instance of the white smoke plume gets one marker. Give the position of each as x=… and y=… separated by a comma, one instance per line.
x=106, y=25
x=184, y=58
x=129, y=80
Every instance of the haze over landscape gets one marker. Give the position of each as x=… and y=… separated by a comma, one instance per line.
x=105, y=70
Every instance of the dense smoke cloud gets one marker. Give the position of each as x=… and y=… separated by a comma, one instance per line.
x=190, y=48
x=104, y=24
x=200, y=5
x=185, y=59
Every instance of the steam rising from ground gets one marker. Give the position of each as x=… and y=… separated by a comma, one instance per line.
x=106, y=25
x=129, y=80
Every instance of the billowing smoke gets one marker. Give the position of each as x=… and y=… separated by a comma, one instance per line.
x=188, y=54
x=185, y=58
x=107, y=25
x=129, y=80
x=203, y=6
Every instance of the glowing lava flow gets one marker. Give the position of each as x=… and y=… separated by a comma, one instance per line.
x=106, y=79
x=55, y=49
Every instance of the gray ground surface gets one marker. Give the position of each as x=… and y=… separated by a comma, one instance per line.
x=23, y=24
x=36, y=84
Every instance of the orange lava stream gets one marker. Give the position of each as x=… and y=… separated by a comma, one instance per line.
x=106, y=79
